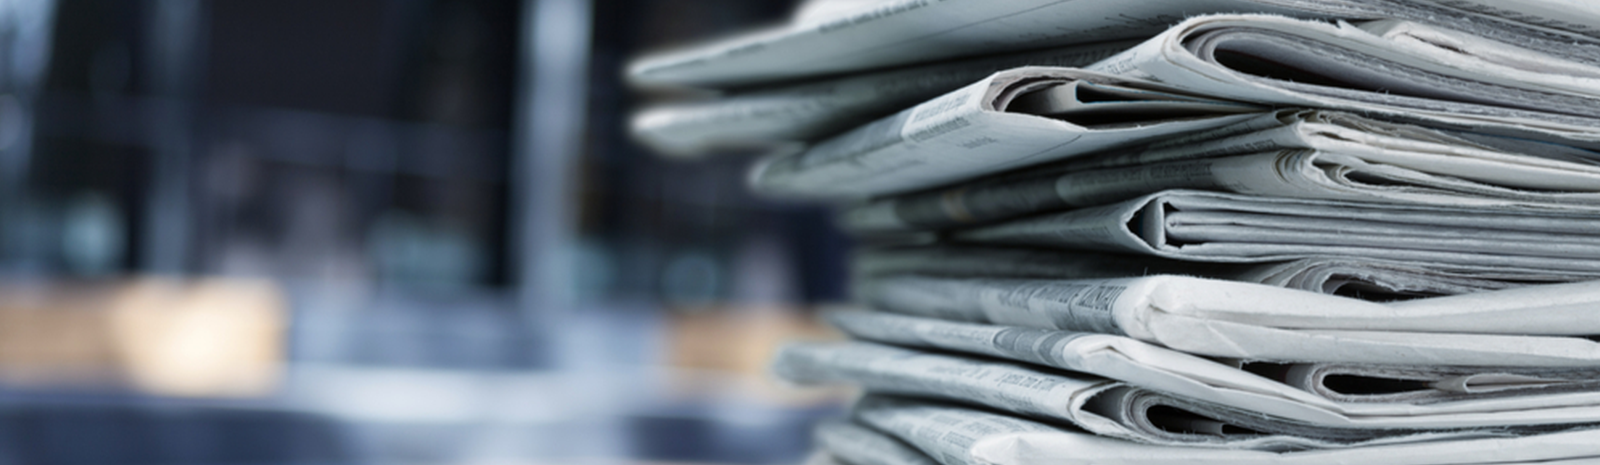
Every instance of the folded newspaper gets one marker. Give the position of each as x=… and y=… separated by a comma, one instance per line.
x=1366, y=278
x=1304, y=154
x=1332, y=395
x=1217, y=227
x=854, y=444
x=1395, y=68
x=975, y=131
x=889, y=33
x=965, y=436
x=1534, y=326
x=1249, y=58
x=794, y=115
x=1117, y=409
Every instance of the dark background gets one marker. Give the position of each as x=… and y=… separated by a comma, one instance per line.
x=383, y=162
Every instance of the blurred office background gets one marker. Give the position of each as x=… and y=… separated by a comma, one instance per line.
x=383, y=231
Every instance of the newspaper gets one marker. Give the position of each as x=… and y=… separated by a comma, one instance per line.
x=1217, y=227
x=1294, y=153
x=791, y=116
x=858, y=445
x=964, y=436
x=1530, y=326
x=1099, y=405
x=1253, y=58
x=1437, y=76
x=890, y=33
x=1343, y=131
x=973, y=131
x=1335, y=395
x=1366, y=278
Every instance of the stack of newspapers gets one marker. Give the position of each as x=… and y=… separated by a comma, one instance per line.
x=1185, y=231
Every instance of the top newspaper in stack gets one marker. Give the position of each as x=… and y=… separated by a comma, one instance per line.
x=898, y=32
x=885, y=48
x=793, y=115
x=1035, y=115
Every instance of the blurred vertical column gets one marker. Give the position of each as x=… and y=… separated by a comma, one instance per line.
x=547, y=141
x=174, y=47
x=25, y=33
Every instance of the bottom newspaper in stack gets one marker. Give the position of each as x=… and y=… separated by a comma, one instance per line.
x=1166, y=368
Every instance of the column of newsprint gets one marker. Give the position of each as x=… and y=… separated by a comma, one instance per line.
x=1197, y=231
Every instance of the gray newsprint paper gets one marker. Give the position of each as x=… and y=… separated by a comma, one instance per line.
x=1293, y=153
x=1217, y=227
x=1401, y=70
x=975, y=131
x=1528, y=326
x=1104, y=406
x=1330, y=395
x=851, y=442
x=794, y=115
x=858, y=445
x=1014, y=119
x=1367, y=278
x=963, y=436
x=881, y=34
x=1029, y=116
